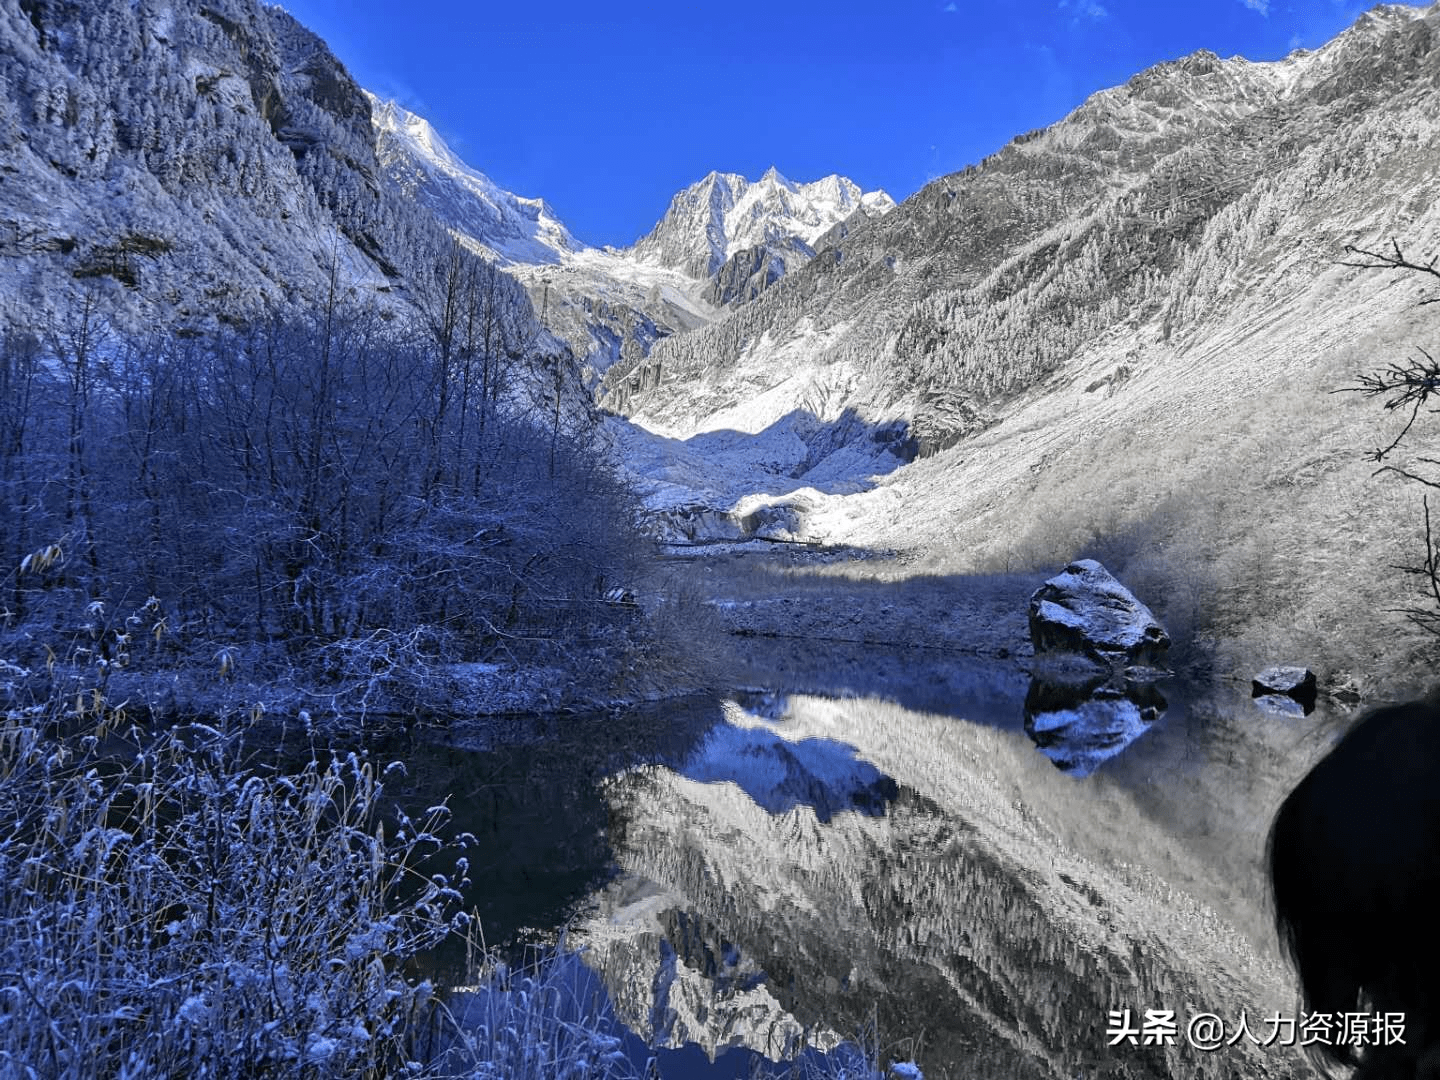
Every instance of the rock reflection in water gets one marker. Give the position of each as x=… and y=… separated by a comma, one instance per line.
x=1283, y=705
x=1079, y=725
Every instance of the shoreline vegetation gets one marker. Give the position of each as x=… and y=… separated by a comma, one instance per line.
x=185, y=901
x=327, y=514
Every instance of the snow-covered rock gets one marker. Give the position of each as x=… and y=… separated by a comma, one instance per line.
x=190, y=164
x=1085, y=610
x=1280, y=705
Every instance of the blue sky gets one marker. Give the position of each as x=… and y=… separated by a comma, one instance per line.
x=606, y=109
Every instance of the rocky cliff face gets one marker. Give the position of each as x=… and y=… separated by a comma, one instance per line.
x=750, y=271
x=193, y=162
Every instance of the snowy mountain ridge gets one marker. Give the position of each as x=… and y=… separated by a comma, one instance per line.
x=991, y=280
x=608, y=303
x=723, y=214
x=506, y=227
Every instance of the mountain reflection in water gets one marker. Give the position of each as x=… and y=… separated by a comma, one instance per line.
x=778, y=775
x=802, y=871
x=778, y=871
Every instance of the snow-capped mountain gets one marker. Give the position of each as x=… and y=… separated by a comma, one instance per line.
x=724, y=214
x=504, y=226
x=1119, y=336
x=611, y=303
x=1125, y=228
x=605, y=304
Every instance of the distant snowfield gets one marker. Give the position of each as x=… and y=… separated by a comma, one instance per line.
x=730, y=477
x=616, y=277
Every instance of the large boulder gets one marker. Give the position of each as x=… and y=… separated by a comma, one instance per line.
x=1084, y=610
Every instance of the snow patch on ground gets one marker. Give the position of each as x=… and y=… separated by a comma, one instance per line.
x=761, y=483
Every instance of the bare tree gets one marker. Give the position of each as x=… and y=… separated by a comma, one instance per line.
x=1407, y=386
x=76, y=345
x=19, y=372
x=305, y=490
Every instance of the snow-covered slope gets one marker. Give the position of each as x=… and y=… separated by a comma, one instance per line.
x=505, y=226
x=189, y=164
x=602, y=302
x=1127, y=221
x=1118, y=336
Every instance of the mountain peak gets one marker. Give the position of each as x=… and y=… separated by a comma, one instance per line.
x=724, y=213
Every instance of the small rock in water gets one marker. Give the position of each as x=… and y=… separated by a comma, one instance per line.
x=1288, y=681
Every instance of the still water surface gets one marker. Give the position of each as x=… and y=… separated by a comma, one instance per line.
x=981, y=867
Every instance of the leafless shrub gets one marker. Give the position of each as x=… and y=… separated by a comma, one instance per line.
x=308, y=491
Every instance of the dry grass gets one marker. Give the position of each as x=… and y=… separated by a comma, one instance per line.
x=171, y=910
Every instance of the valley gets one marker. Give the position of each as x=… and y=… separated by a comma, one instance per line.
x=668, y=604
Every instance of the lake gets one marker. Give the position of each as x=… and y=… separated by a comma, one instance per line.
x=922, y=844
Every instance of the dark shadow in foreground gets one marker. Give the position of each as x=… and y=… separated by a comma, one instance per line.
x=1354, y=859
